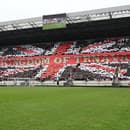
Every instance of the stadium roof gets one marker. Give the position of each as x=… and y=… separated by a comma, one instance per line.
x=76, y=17
x=99, y=23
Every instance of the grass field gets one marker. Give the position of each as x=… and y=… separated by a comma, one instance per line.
x=56, y=108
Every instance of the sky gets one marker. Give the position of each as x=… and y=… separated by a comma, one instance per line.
x=21, y=9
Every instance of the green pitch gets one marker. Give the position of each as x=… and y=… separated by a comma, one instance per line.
x=64, y=108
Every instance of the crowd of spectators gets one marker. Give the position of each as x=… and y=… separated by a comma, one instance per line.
x=84, y=71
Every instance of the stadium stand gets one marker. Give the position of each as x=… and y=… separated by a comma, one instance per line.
x=93, y=46
x=105, y=55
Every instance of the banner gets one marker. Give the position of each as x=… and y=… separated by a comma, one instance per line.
x=65, y=59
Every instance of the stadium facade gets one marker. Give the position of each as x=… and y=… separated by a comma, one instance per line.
x=93, y=47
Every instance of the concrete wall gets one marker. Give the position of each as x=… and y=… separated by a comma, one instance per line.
x=61, y=83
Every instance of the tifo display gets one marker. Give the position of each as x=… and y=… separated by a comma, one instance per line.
x=81, y=60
